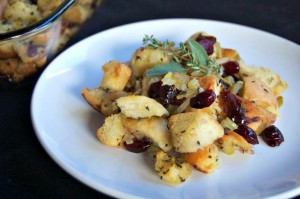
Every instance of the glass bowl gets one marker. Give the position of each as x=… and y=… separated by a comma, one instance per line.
x=25, y=49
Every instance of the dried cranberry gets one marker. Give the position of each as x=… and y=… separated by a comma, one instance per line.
x=247, y=133
x=207, y=42
x=34, y=2
x=32, y=50
x=177, y=102
x=167, y=94
x=154, y=89
x=204, y=99
x=138, y=146
x=272, y=136
x=233, y=107
x=231, y=67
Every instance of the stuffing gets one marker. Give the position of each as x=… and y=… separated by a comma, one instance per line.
x=231, y=54
x=116, y=76
x=112, y=131
x=21, y=14
x=194, y=109
x=137, y=107
x=271, y=79
x=7, y=51
x=205, y=159
x=232, y=141
x=170, y=169
x=94, y=97
x=259, y=93
x=238, y=108
x=154, y=128
x=145, y=58
x=193, y=130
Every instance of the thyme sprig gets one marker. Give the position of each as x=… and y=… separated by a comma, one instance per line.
x=190, y=54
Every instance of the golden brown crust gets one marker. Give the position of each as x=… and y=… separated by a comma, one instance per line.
x=230, y=54
x=205, y=160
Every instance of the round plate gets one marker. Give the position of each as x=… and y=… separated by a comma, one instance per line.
x=65, y=124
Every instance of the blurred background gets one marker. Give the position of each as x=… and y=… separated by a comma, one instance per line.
x=26, y=170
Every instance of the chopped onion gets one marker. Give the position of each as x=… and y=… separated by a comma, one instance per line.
x=222, y=60
x=236, y=87
x=228, y=123
x=128, y=138
x=183, y=106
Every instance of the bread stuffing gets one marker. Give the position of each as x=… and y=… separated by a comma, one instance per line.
x=190, y=102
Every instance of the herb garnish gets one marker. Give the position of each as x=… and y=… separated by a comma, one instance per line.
x=188, y=57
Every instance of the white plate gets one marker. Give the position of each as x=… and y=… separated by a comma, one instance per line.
x=65, y=124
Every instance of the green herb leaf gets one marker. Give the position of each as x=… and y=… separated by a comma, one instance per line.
x=163, y=69
x=198, y=52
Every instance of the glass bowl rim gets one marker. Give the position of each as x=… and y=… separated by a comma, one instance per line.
x=39, y=25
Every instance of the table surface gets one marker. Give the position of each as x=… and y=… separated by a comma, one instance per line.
x=27, y=171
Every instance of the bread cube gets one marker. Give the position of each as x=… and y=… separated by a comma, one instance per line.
x=232, y=141
x=112, y=131
x=116, y=76
x=257, y=117
x=20, y=13
x=193, y=130
x=205, y=160
x=145, y=58
x=258, y=92
x=170, y=169
x=136, y=106
x=93, y=97
x=154, y=128
x=271, y=79
x=231, y=54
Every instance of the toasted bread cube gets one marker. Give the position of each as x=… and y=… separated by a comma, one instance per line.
x=116, y=76
x=231, y=54
x=210, y=83
x=7, y=51
x=205, y=160
x=154, y=128
x=193, y=130
x=145, y=58
x=112, y=131
x=258, y=92
x=258, y=117
x=271, y=79
x=20, y=13
x=170, y=169
x=137, y=107
x=77, y=14
x=93, y=97
x=232, y=141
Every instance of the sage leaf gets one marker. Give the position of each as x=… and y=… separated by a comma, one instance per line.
x=163, y=69
x=198, y=52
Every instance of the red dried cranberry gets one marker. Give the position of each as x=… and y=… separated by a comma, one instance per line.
x=207, y=42
x=231, y=67
x=167, y=94
x=177, y=102
x=138, y=146
x=154, y=89
x=204, y=99
x=32, y=50
x=272, y=136
x=34, y=2
x=247, y=133
x=232, y=107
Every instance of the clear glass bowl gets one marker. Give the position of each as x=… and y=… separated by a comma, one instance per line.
x=25, y=51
